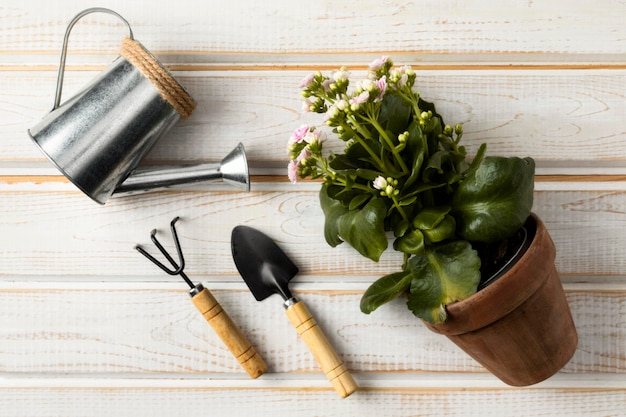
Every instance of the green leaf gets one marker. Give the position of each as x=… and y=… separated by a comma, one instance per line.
x=362, y=228
x=428, y=106
x=447, y=273
x=384, y=290
x=444, y=230
x=495, y=200
x=416, y=146
x=394, y=115
x=438, y=163
x=333, y=210
x=407, y=201
x=412, y=242
x=367, y=174
x=424, y=187
x=430, y=217
x=340, y=162
x=478, y=159
x=400, y=228
x=359, y=200
x=415, y=169
x=343, y=194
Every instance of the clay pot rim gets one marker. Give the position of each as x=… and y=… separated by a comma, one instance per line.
x=484, y=307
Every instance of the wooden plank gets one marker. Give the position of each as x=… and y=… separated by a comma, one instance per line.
x=445, y=27
x=200, y=401
x=62, y=233
x=119, y=329
x=554, y=116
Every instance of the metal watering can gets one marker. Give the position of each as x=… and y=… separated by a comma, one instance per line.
x=98, y=137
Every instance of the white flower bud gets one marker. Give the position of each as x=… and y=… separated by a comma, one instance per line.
x=367, y=85
x=380, y=183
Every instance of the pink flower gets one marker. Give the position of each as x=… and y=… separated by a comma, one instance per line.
x=292, y=172
x=382, y=86
x=361, y=98
x=314, y=137
x=306, y=105
x=377, y=63
x=305, y=153
x=307, y=81
x=300, y=133
x=326, y=84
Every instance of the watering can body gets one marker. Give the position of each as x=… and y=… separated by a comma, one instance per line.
x=98, y=137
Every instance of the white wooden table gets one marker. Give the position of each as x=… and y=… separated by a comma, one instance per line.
x=90, y=328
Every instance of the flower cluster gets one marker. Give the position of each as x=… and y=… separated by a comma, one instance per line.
x=350, y=113
x=401, y=173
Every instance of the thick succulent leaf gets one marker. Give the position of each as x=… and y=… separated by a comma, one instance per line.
x=343, y=194
x=412, y=242
x=333, y=210
x=362, y=228
x=384, y=290
x=416, y=147
x=400, y=227
x=435, y=164
x=495, y=200
x=407, y=201
x=367, y=174
x=340, y=162
x=448, y=273
x=394, y=114
x=359, y=200
x=430, y=217
x=444, y=230
x=478, y=159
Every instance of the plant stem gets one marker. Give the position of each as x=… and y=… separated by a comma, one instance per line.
x=399, y=208
x=359, y=139
x=383, y=134
x=325, y=170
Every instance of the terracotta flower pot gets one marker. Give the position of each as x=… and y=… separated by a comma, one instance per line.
x=520, y=327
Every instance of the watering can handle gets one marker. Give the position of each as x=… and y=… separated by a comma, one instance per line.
x=57, y=97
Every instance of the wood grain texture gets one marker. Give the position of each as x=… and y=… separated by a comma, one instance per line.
x=445, y=27
x=88, y=327
x=200, y=401
x=322, y=350
x=229, y=332
x=64, y=234
x=533, y=113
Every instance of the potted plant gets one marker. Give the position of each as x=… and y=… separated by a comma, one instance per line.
x=478, y=265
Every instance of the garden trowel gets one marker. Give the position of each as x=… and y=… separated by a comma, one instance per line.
x=267, y=270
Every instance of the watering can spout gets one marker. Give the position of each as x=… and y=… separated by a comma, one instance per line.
x=232, y=169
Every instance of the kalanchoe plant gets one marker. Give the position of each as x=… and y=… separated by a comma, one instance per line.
x=403, y=176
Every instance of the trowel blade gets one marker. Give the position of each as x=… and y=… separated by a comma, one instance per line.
x=263, y=265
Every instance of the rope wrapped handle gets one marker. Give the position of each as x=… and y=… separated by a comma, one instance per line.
x=142, y=59
x=135, y=53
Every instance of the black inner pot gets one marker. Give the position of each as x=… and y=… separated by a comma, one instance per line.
x=497, y=258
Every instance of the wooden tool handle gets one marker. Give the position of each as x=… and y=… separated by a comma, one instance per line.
x=321, y=348
x=230, y=334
